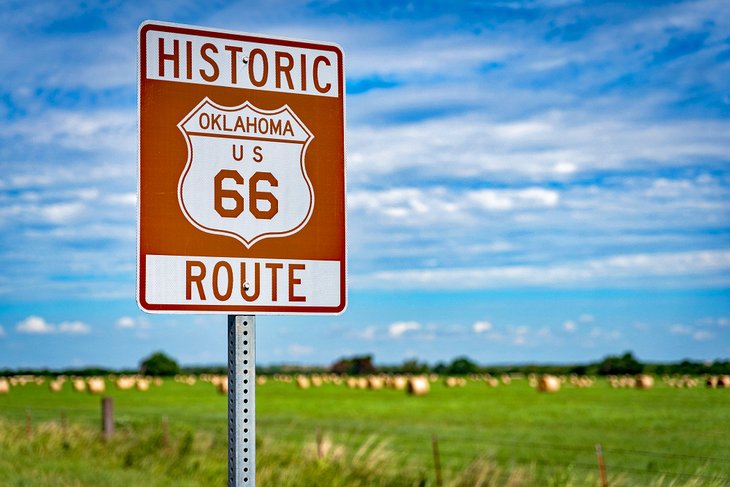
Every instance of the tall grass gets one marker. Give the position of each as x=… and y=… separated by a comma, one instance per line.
x=76, y=455
x=509, y=435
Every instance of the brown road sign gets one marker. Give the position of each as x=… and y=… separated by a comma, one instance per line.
x=241, y=173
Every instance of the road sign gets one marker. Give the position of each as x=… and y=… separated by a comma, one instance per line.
x=241, y=173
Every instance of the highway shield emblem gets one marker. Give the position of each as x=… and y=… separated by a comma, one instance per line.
x=245, y=175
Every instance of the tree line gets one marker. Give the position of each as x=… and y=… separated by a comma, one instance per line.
x=160, y=364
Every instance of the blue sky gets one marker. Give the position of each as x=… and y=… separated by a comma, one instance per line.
x=541, y=181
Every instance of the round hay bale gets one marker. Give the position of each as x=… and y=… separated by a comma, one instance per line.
x=399, y=383
x=375, y=383
x=79, y=385
x=261, y=380
x=124, y=383
x=585, y=382
x=143, y=384
x=55, y=385
x=418, y=386
x=222, y=387
x=96, y=385
x=302, y=382
x=4, y=386
x=548, y=383
x=644, y=381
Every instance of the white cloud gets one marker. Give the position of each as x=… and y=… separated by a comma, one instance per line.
x=698, y=335
x=74, y=328
x=297, y=350
x=85, y=130
x=680, y=329
x=702, y=335
x=481, y=326
x=721, y=322
x=569, y=142
x=62, y=212
x=603, y=334
x=603, y=271
x=367, y=334
x=586, y=318
x=125, y=322
x=569, y=326
x=642, y=327
x=39, y=326
x=422, y=205
x=397, y=329
x=519, y=334
x=544, y=332
x=2, y=331
x=502, y=200
x=122, y=199
x=34, y=325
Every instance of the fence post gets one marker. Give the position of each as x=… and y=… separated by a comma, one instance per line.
x=165, y=432
x=28, y=425
x=107, y=417
x=601, y=465
x=436, y=460
x=64, y=430
x=320, y=446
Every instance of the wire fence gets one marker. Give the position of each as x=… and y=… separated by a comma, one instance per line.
x=455, y=449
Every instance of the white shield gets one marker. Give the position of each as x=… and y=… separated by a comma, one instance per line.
x=245, y=175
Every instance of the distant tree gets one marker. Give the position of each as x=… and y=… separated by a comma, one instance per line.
x=579, y=369
x=414, y=367
x=359, y=365
x=159, y=364
x=617, y=365
x=462, y=366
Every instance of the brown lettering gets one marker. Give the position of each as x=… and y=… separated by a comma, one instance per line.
x=274, y=278
x=204, y=54
x=189, y=59
x=315, y=72
x=191, y=278
x=293, y=281
x=256, y=282
x=234, y=65
x=174, y=57
x=229, y=288
x=265, y=65
x=284, y=69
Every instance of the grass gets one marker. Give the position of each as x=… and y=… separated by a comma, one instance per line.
x=509, y=435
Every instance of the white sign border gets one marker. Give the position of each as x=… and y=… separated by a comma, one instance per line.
x=138, y=284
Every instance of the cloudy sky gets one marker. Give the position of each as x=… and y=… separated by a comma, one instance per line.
x=540, y=180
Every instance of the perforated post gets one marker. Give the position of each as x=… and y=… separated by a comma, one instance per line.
x=241, y=401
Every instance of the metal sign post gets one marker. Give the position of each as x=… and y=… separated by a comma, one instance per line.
x=241, y=400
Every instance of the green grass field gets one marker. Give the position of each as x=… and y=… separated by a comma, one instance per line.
x=509, y=435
